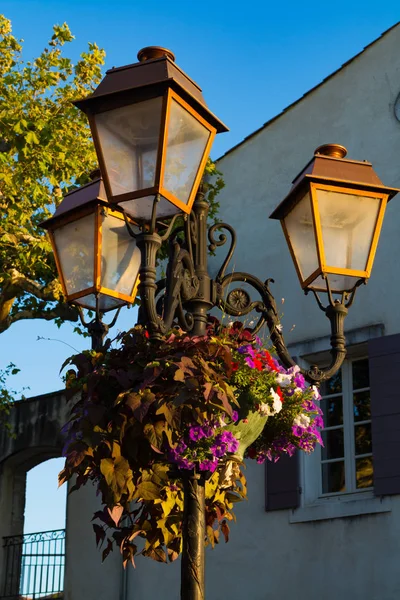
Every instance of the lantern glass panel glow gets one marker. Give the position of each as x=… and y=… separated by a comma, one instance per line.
x=104, y=302
x=348, y=224
x=75, y=247
x=120, y=258
x=129, y=140
x=142, y=208
x=301, y=236
x=186, y=143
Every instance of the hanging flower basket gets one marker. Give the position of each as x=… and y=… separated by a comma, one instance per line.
x=247, y=431
x=148, y=412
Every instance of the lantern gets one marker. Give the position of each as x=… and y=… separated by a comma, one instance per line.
x=97, y=260
x=153, y=132
x=332, y=219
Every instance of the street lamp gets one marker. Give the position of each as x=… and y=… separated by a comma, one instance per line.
x=152, y=132
x=97, y=260
x=332, y=218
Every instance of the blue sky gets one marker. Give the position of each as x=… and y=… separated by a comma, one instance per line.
x=251, y=59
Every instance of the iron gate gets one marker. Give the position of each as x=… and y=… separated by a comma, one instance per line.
x=34, y=566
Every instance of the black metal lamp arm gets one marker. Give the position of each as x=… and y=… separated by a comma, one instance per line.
x=188, y=292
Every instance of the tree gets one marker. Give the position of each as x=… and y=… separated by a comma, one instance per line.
x=45, y=148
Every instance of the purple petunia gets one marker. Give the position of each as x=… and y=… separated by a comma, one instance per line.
x=297, y=430
x=299, y=381
x=208, y=465
x=196, y=433
x=219, y=450
x=208, y=431
x=181, y=447
x=250, y=362
x=319, y=422
x=248, y=349
x=227, y=437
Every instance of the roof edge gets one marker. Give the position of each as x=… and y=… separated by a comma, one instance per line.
x=285, y=110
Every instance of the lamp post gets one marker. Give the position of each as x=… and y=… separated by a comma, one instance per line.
x=152, y=132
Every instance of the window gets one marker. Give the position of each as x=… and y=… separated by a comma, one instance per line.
x=346, y=459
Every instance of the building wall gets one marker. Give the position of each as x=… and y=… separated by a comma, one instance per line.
x=350, y=558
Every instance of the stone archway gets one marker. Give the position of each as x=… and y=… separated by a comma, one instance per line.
x=36, y=424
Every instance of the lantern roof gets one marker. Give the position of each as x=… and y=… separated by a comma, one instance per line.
x=329, y=165
x=78, y=200
x=155, y=72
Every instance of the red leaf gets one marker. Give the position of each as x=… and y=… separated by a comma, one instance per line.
x=208, y=388
x=225, y=530
x=116, y=513
x=179, y=375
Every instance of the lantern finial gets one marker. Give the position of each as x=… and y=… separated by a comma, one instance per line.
x=151, y=52
x=333, y=150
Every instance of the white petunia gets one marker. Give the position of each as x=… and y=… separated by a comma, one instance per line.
x=268, y=411
x=265, y=409
x=315, y=392
x=283, y=380
x=277, y=402
x=302, y=420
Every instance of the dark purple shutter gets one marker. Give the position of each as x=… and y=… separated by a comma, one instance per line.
x=384, y=370
x=282, y=489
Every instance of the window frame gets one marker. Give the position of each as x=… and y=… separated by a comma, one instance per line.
x=314, y=507
x=348, y=425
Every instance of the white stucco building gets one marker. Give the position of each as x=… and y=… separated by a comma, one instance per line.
x=309, y=529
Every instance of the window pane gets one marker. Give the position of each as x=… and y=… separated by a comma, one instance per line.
x=333, y=478
x=360, y=374
x=362, y=406
x=364, y=472
x=333, y=444
x=362, y=439
x=333, y=385
x=333, y=410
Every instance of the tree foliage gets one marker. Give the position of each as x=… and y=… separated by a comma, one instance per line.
x=45, y=148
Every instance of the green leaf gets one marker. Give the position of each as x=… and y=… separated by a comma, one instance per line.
x=147, y=490
x=31, y=138
x=107, y=469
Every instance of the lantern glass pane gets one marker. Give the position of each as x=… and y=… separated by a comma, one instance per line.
x=348, y=224
x=120, y=257
x=338, y=283
x=141, y=208
x=186, y=142
x=104, y=302
x=129, y=138
x=300, y=229
x=75, y=249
